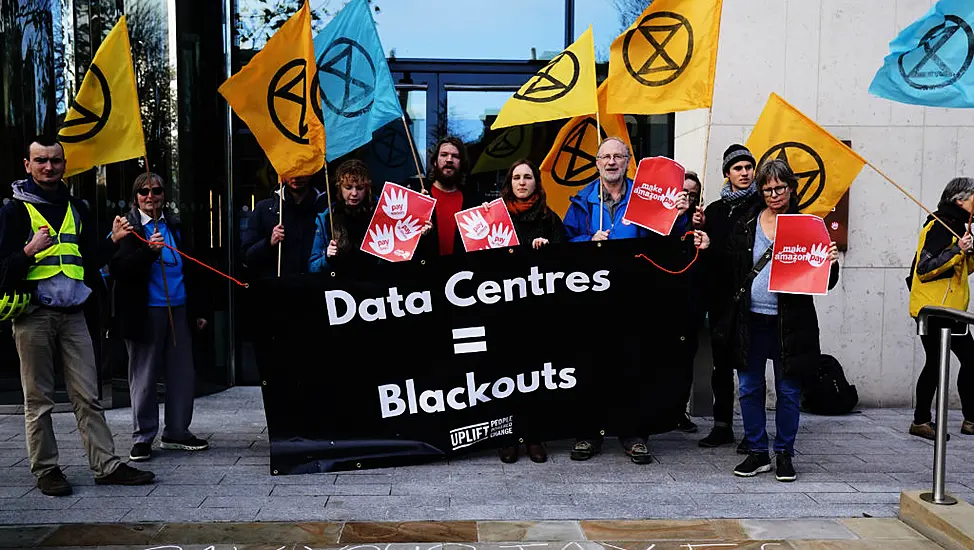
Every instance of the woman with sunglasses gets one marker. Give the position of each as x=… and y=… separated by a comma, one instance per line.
x=142, y=293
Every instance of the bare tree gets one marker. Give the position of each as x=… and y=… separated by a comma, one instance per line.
x=629, y=11
x=257, y=20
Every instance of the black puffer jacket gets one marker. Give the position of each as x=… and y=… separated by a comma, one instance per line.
x=539, y=222
x=797, y=320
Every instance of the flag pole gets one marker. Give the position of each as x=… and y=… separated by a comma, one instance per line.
x=331, y=214
x=280, y=221
x=412, y=147
x=162, y=265
x=598, y=134
x=912, y=198
x=706, y=153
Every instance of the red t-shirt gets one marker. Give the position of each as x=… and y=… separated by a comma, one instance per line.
x=448, y=203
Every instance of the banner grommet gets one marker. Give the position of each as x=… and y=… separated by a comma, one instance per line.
x=602, y=432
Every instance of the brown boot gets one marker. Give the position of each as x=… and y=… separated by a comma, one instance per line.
x=967, y=428
x=508, y=454
x=927, y=430
x=537, y=452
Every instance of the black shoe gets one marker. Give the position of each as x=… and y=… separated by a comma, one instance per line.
x=639, y=453
x=537, y=453
x=140, y=452
x=743, y=448
x=686, y=425
x=754, y=464
x=126, y=475
x=719, y=435
x=508, y=454
x=584, y=450
x=54, y=484
x=784, y=470
x=191, y=443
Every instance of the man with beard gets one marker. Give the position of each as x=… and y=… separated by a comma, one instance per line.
x=265, y=231
x=448, y=164
x=738, y=193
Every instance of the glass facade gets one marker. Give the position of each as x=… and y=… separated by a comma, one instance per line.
x=454, y=67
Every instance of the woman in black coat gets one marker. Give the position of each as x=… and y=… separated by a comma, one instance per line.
x=760, y=325
x=149, y=282
x=535, y=224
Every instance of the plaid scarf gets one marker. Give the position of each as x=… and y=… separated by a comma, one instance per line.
x=735, y=197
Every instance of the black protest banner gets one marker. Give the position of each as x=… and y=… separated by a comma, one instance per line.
x=420, y=360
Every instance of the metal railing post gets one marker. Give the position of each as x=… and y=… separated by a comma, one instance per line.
x=939, y=494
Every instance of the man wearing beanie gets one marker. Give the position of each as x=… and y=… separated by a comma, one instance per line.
x=738, y=193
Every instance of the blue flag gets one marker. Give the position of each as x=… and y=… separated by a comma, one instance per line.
x=930, y=61
x=357, y=93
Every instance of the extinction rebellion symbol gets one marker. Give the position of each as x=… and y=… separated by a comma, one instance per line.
x=924, y=69
x=340, y=60
x=390, y=147
x=670, y=36
x=552, y=82
x=507, y=143
x=808, y=166
x=292, y=91
x=574, y=166
x=88, y=116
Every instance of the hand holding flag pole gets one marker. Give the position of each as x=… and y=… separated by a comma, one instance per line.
x=162, y=264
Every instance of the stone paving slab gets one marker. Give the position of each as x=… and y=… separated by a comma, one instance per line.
x=850, y=467
x=851, y=534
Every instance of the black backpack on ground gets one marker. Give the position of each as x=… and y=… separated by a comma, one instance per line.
x=826, y=390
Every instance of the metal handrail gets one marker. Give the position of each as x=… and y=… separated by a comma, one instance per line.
x=954, y=318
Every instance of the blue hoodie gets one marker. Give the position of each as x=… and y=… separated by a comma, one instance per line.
x=582, y=218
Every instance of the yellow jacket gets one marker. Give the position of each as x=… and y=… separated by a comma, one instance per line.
x=940, y=272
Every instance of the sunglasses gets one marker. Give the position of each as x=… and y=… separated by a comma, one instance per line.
x=156, y=191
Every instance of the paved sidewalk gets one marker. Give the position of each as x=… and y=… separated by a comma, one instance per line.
x=852, y=466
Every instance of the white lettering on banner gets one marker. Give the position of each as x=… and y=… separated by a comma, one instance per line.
x=373, y=309
x=491, y=292
x=391, y=402
x=482, y=431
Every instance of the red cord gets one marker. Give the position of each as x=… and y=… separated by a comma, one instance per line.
x=696, y=254
x=188, y=257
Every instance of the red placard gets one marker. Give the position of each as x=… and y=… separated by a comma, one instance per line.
x=652, y=203
x=800, y=264
x=397, y=223
x=483, y=228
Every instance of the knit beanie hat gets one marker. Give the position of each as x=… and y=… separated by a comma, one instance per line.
x=734, y=154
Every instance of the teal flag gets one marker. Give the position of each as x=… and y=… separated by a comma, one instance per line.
x=357, y=93
x=930, y=61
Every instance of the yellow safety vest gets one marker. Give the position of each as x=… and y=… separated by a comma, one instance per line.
x=61, y=257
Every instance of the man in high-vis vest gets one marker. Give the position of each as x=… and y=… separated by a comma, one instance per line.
x=48, y=247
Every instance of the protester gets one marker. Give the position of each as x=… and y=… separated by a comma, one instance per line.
x=143, y=298
x=448, y=167
x=696, y=303
x=536, y=225
x=737, y=196
x=761, y=325
x=264, y=231
x=938, y=277
x=582, y=223
x=58, y=267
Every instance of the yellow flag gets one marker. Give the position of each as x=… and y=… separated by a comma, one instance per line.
x=570, y=165
x=510, y=145
x=825, y=166
x=564, y=88
x=104, y=124
x=665, y=61
x=277, y=96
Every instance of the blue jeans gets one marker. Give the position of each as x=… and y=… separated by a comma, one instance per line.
x=765, y=344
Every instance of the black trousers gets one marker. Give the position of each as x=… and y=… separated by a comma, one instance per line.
x=963, y=348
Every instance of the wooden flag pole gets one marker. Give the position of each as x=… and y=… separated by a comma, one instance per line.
x=912, y=198
x=280, y=221
x=162, y=265
x=331, y=207
x=706, y=153
x=412, y=147
x=598, y=134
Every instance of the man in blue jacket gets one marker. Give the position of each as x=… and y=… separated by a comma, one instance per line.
x=583, y=223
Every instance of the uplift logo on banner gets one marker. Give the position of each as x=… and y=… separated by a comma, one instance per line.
x=655, y=190
x=800, y=259
x=483, y=431
x=392, y=404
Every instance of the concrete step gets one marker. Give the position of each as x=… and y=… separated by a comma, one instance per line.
x=951, y=526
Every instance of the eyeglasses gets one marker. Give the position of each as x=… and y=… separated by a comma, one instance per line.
x=156, y=191
x=617, y=158
x=771, y=191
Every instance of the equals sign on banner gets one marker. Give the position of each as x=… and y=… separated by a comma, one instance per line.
x=473, y=346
